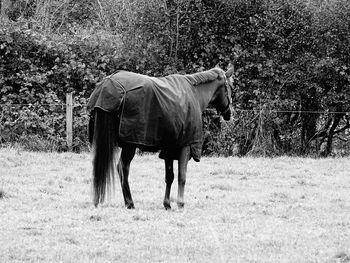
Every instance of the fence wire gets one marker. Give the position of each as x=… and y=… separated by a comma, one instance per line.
x=234, y=109
x=266, y=130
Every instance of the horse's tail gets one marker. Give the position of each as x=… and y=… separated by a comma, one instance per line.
x=103, y=136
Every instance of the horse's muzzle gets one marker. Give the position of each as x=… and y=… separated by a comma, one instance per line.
x=227, y=115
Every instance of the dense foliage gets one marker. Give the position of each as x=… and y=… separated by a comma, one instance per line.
x=291, y=58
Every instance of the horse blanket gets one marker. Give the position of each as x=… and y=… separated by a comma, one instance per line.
x=154, y=113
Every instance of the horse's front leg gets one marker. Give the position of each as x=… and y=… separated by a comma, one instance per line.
x=183, y=161
x=169, y=178
x=126, y=156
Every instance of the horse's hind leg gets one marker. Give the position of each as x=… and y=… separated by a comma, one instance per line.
x=126, y=156
x=183, y=161
x=169, y=178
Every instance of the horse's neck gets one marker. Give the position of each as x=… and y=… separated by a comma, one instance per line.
x=205, y=92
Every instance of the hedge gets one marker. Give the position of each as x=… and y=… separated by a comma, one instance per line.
x=291, y=59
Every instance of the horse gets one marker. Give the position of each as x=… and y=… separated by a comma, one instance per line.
x=130, y=110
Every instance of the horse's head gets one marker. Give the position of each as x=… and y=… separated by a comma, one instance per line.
x=222, y=98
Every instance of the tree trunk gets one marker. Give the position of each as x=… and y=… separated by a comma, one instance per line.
x=308, y=130
x=328, y=150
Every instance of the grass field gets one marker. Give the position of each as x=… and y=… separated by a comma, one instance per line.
x=237, y=210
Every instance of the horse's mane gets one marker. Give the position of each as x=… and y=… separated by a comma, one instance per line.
x=205, y=76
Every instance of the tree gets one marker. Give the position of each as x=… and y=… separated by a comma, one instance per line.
x=4, y=5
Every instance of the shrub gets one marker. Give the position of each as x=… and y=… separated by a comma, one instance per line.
x=37, y=73
x=289, y=55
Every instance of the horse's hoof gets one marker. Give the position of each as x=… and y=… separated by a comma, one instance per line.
x=180, y=205
x=167, y=206
x=130, y=206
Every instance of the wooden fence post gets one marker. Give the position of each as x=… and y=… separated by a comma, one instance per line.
x=69, y=120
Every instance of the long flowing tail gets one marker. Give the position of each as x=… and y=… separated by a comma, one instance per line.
x=103, y=136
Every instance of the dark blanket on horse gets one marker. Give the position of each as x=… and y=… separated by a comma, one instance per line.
x=154, y=113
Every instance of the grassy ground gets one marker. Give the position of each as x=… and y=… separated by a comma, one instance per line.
x=237, y=210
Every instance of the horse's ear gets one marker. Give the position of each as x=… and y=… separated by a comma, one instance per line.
x=230, y=70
